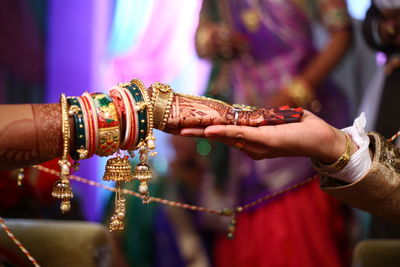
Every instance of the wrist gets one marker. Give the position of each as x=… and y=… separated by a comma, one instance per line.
x=330, y=155
x=336, y=159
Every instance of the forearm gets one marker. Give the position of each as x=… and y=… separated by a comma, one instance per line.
x=325, y=61
x=29, y=134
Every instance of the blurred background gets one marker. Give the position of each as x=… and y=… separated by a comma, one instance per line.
x=53, y=47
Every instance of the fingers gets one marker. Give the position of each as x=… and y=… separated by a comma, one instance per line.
x=172, y=131
x=192, y=132
x=243, y=138
x=232, y=131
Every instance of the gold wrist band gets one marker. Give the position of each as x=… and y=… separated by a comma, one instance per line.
x=300, y=93
x=339, y=164
x=62, y=188
x=162, y=101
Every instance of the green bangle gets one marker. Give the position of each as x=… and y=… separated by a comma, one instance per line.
x=142, y=113
x=80, y=138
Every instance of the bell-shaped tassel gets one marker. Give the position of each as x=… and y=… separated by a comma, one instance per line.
x=117, y=220
x=143, y=173
x=62, y=190
x=116, y=224
x=118, y=169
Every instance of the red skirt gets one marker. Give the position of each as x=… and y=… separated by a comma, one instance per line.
x=305, y=227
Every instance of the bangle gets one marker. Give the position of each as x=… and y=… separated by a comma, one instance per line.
x=339, y=164
x=79, y=151
x=300, y=92
x=62, y=188
x=108, y=125
x=141, y=110
x=120, y=108
x=150, y=139
x=84, y=152
x=162, y=101
x=134, y=132
x=118, y=94
x=146, y=140
x=92, y=123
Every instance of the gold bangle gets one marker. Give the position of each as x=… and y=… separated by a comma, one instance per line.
x=162, y=101
x=300, y=92
x=62, y=188
x=339, y=164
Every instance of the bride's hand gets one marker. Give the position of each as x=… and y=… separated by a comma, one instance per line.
x=311, y=137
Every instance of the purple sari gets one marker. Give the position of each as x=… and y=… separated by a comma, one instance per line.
x=278, y=50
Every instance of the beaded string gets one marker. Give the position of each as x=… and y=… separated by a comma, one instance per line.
x=391, y=139
x=222, y=212
x=228, y=212
x=18, y=243
x=130, y=192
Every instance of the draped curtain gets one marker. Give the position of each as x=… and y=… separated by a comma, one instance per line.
x=154, y=40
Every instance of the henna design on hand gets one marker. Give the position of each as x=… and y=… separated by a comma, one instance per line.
x=193, y=111
x=198, y=112
x=48, y=128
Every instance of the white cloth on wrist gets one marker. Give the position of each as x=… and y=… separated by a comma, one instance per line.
x=360, y=161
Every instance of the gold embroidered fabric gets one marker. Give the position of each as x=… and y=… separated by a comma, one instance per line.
x=378, y=191
x=390, y=154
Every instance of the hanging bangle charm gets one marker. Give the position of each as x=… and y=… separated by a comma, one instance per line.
x=62, y=188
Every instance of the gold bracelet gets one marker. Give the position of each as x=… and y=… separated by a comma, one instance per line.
x=300, y=93
x=62, y=188
x=339, y=164
x=162, y=101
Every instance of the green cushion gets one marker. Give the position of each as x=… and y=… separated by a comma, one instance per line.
x=60, y=243
x=377, y=253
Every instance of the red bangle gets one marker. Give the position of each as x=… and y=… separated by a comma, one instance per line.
x=108, y=124
x=92, y=121
x=121, y=110
x=86, y=124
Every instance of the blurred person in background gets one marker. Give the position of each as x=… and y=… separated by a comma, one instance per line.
x=263, y=55
x=381, y=30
